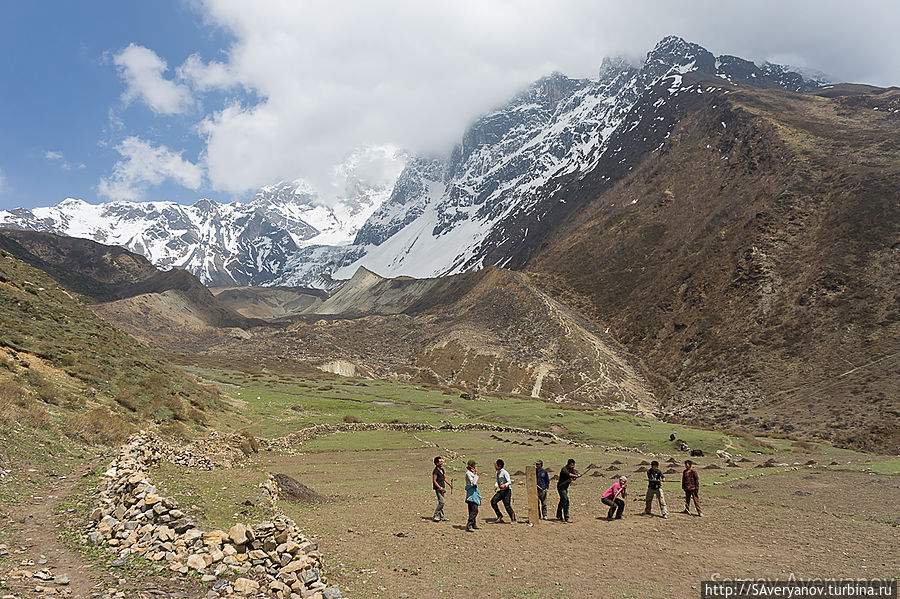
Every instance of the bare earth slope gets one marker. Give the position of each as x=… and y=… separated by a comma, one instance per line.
x=492, y=330
x=269, y=302
x=753, y=260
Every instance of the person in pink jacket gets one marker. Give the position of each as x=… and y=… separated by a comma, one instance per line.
x=614, y=497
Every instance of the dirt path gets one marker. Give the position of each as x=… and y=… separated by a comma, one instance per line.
x=41, y=558
x=44, y=560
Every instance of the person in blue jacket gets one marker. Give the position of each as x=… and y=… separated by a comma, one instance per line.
x=473, y=497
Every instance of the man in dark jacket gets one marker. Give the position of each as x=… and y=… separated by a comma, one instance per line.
x=440, y=483
x=543, y=484
x=690, y=482
x=655, y=479
x=566, y=476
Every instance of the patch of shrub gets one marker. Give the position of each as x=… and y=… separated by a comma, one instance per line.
x=99, y=425
x=350, y=418
x=130, y=398
x=43, y=388
x=175, y=430
x=7, y=363
x=803, y=445
x=251, y=441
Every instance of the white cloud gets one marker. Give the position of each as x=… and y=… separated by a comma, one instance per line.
x=328, y=78
x=143, y=71
x=143, y=165
x=335, y=76
x=63, y=163
x=206, y=76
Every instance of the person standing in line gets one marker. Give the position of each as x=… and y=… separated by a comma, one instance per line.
x=690, y=482
x=566, y=476
x=655, y=479
x=543, y=485
x=614, y=497
x=473, y=497
x=440, y=483
x=503, y=492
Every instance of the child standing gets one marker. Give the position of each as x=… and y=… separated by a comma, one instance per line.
x=690, y=482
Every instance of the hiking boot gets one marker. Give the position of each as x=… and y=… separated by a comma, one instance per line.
x=609, y=518
x=666, y=516
x=468, y=529
x=500, y=521
x=436, y=519
x=445, y=519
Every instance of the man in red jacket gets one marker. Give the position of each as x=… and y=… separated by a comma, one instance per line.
x=690, y=482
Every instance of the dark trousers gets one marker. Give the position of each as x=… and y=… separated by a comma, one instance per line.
x=615, y=507
x=473, y=514
x=562, y=509
x=542, y=502
x=504, y=495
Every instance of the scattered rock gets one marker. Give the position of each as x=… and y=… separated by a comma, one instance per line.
x=196, y=562
x=245, y=586
x=240, y=534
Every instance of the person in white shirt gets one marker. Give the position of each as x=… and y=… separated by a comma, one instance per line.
x=503, y=492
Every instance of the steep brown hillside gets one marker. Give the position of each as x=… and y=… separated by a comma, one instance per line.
x=269, y=303
x=63, y=367
x=491, y=330
x=105, y=273
x=752, y=260
x=92, y=269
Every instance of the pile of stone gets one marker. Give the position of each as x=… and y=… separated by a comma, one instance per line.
x=271, y=559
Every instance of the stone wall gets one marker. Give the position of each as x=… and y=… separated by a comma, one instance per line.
x=292, y=440
x=269, y=559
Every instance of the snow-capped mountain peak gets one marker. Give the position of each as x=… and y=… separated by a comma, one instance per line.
x=411, y=215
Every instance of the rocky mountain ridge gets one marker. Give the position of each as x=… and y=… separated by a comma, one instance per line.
x=439, y=215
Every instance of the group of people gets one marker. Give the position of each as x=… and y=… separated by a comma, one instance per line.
x=613, y=497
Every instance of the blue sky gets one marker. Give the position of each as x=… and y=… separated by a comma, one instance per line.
x=61, y=108
x=182, y=99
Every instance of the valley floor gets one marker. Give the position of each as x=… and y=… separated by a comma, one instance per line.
x=376, y=528
x=821, y=512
